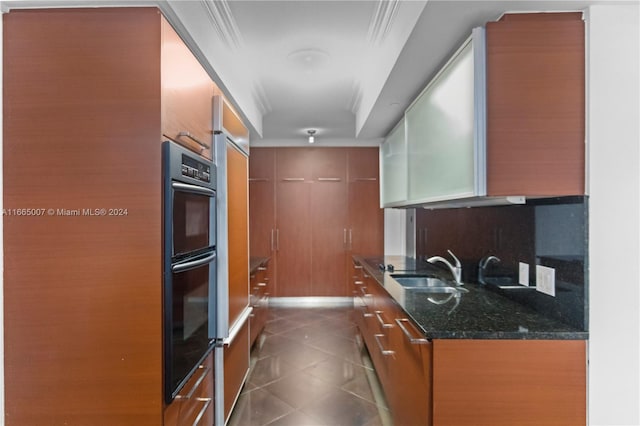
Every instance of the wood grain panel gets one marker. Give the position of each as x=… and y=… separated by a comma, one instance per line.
x=187, y=95
x=329, y=238
x=535, y=105
x=294, y=163
x=411, y=397
x=238, y=228
x=328, y=163
x=364, y=163
x=509, y=382
x=262, y=202
x=236, y=366
x=82, y=294
x=293, y=243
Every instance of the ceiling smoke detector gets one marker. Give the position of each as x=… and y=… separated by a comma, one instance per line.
x=311, y=137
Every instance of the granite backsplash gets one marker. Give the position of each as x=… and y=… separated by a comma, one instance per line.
x=549, y=232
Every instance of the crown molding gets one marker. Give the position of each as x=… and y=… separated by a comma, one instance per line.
x=382, y=20
x=223, y=21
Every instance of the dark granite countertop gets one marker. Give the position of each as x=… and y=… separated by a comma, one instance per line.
x=254, y=262
x=480, y=314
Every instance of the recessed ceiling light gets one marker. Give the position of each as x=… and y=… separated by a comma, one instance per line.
x=309, y=59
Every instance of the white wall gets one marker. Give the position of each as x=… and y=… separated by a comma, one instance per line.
x=1, y=241
x=395, y=232
x=613, y=120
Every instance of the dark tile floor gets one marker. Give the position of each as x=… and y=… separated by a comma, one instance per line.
x=310, y=369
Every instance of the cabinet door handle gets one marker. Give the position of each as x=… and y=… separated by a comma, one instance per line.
x=196, y=385
x=364, y=179
x=277, y=239
x=357, y=266
x=262, y=284
x=272, y=248
x=329, y=179
x=293, y=179
x=383, y=351
x=261, y=268
x=188, y=135
x=350, y=239
x=207, y=403
x=258, y=180
x=358, y=282
x=412, y=340
x=344, y=238
x=381, y=321
x=363, y=290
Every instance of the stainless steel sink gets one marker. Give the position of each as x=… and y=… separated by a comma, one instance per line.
x=429, y=284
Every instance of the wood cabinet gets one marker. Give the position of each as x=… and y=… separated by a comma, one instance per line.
x=532, y=130
x=467, y=382
x=236, y=367
x=507, y=382
x=366, y=218
x=536, y=104
x=262, y=206
x=325, y=206
x=260, y=291
x=187, y=94
x=88, y=95
x=194, y=405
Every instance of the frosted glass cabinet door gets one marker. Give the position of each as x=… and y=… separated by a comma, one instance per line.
x=393, y=162
x=440, y=134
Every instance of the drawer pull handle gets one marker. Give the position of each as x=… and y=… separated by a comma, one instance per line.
x=262, y=284
x=381, y=321
x=383, y=351
x=207, y=403
x=188, y=135
x=358, y=282
x=412, y=340
x=293, y=179
x=329, y=179
x=261, y=268
x=197, y=384
x=357, y=266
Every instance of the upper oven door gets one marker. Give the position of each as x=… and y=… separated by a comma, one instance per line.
x=193, y=219
x=189, y=203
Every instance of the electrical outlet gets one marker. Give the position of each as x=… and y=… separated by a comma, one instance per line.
x=523, y=277
x=546, y=280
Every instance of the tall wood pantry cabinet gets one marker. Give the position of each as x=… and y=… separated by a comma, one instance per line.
x=89, y=96
x=310, y=209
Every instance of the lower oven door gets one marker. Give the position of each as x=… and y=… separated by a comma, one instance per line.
x=189, y=314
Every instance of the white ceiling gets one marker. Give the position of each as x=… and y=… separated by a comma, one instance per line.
x=345, y=68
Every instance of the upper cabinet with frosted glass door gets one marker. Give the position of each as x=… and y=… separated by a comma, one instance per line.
x=438, y=151
x=446, y=144
x=503, y=120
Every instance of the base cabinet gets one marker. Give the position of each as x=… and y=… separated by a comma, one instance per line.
x=259, y=298
x=195, y=403
x=465, y=382
x=236, y=368
x=509, y=382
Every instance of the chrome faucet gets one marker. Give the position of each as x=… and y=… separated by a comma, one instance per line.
x=455, y=270
x=482, y=266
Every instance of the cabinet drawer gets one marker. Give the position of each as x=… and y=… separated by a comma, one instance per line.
x=194, y=404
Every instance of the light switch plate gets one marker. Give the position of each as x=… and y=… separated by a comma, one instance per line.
x=523, y=277
x=546, y=280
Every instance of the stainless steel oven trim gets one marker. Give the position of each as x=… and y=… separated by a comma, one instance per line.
x=173, y=180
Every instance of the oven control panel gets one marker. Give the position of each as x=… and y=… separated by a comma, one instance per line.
x=196, y=169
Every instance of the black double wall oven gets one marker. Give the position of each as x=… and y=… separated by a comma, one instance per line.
x=189, y=264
